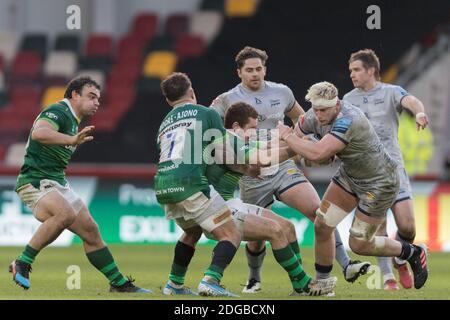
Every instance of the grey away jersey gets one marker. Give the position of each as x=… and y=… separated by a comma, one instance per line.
x=364, y=158
x=272, y=102
x=382, y=107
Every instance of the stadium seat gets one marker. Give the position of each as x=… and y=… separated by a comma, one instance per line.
x=216, y=5
x=99, y=63
x=2, y=81
x=99, y=45
x=240, y=8
x=15, y=155
x=206, y=24
x=129, y=50
x=8, y=46
x=36, y=42
x=25, y=94
x=2, y=63
x=176, y=25
x=159, y=64
x=125, y=73
x=3, y=98
x=26, y=66
x=121, y=96
x=189, y=46
x=55, y=81
x=10, y=125
x=67, y=42
x=144, y=26
x=97, y=75
x=104, y=121
x=148, y=85
x=52, y=95
x=160, y=43
x=2, y=153
x=60, y=64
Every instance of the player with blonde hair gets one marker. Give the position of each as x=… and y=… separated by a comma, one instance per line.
x=367, y=180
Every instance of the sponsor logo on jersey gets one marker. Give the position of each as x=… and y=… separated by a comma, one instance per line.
x=379, y=101
x=341, y=125
x=257, y=101
x=51, y=115
x=71, y=148
x=370, y=196
x=274, y=102
x=169, y=190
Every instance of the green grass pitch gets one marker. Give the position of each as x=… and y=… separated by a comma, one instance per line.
x=150, y=265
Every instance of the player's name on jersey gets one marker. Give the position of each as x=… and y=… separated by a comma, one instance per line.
x=178, y=116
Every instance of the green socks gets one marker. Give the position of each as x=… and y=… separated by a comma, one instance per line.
x=103, y=261
x=28, y=255
x=289, y=261
x=295, y=247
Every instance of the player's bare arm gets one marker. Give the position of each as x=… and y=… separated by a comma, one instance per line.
x=45, y=133
x=295, y=112
x=322, y=150
x=416, y=107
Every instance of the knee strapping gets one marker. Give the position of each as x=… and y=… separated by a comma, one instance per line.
x=362, y=230
x=330, y=213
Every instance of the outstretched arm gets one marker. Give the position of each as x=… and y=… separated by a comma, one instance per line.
x=44, y=132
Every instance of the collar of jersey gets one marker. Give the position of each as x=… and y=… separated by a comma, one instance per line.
x=66, y=101
x=375, y=88
x=250, y=91
x=183, y=104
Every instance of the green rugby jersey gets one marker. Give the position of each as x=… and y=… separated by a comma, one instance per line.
x=223, y=179
x=182, y=139
x=49, y=161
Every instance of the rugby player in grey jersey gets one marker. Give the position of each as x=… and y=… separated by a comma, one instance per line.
x=285, y=181
x=366, y=180
x=382, y=104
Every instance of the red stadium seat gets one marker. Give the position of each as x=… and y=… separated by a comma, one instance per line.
x=144, y=26
x=121, y=97
x=2, y=63
x=124, y=74
x=2, y=153
x=189, y=46
x=27, y=65
x=129, y=50
x=104, y=120
x=176, y=25
x=25, y=101
x=99, y=45
x=13, y=121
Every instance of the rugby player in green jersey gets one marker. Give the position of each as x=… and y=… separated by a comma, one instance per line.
x=43, y=187
x=256, y=223
x=183, y=190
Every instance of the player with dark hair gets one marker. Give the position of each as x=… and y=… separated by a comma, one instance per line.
x=284, y=181
x=184, y=192
x=43, y=187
